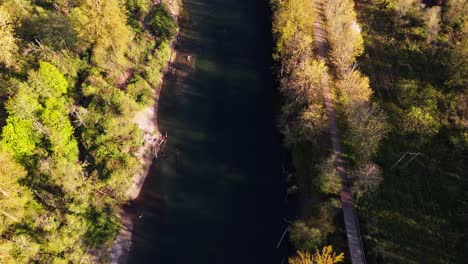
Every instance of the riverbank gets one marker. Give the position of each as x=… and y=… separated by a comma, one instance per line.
x=153, y=142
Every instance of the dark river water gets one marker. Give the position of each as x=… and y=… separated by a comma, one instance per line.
x=218, y=196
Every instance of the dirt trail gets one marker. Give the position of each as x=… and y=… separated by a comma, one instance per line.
x=353, y=232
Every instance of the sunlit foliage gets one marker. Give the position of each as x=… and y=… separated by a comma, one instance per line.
x=293, y=21
x=344, y=34
x=101, y=25
x=326, y=256
x=8, y=41
x=70, y=85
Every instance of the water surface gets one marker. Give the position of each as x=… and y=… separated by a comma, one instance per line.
x=218, y=196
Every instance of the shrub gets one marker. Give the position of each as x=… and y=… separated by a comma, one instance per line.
x=328, y=181
x=304, y=237
x=156, y=63
x=366, y=178
x=140, y=91
x=138, y=8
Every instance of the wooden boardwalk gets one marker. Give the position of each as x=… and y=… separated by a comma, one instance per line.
x=353, y=232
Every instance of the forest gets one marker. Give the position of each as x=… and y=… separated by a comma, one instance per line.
x=73, y=73
x=398, y=74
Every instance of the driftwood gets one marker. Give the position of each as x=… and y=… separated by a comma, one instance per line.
x=154, y=144
x=159, y=146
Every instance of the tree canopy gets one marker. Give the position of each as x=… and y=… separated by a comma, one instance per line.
x=68, y=143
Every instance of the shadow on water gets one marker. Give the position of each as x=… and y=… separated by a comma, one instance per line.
x=218, y=195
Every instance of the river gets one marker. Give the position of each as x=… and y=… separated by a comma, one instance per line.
x=218, y=196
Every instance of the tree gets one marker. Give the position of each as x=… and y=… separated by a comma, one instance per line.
x=139, y=8
x=20, y=248
x=161, y=23
x=402, y=8
x=102, y=25
x=432, y=21
x=304, y=237
x=8, y=41
x=155, y=63
x=455, y=13
x=38, y=123
x=39, y=109
x=328, y=181
x=354, y=88
x=52, y=29
x=366, y=128
x=293, y=17
x=457, y=63
x=366, y=178
x=47, y=81
x=140, y=91
x=24, y=104
x=19, y=137
x=14, y=197
x=344, y=34
x=53, y=208
x=18, y=10
x=305, y=83
x=421, y=120
x=304, y=116
x=59, y=130
x=327, y=256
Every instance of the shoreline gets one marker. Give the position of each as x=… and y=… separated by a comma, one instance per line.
x=146, y=120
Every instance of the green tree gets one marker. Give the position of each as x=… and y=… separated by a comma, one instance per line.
x=47, y=81
x=422, y=121
x=24, y=104
x=155, y=63
x=53, y=29
x=344, y=34
x=161, y=23
x=328, y=181
x=59, y=129
x=14, y=197
x=304, y=117
x=367, y=126
x=354, y=88
x=140, y=91
x=304, y=237
x=293, y=18
x=38, y=123
x=8, y=41
x=102, y=26
x=17, y=10
x=305, y=83
x=19, y=137
x=39, y=109
x=139, y=8
x=457, y=62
